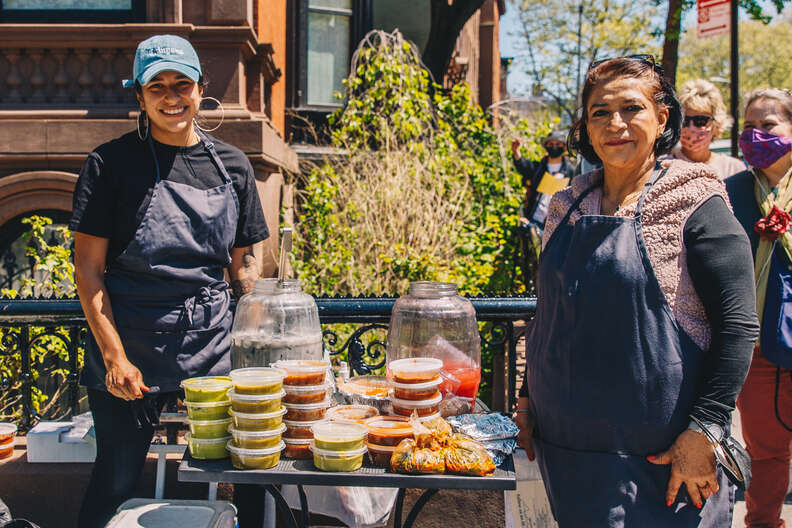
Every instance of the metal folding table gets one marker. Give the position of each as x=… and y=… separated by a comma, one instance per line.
x=303, y=472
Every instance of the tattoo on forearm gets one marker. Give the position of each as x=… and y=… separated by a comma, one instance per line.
x=247, y=274
x=240, y=287
x=249, y=259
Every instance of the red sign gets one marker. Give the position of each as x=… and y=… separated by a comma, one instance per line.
x=714, y=17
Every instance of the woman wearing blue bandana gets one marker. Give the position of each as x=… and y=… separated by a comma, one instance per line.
x=160, y=214
x=762, y=199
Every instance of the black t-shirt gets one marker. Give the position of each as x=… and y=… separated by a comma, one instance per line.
x=116, y=182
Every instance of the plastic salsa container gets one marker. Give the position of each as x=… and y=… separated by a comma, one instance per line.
x=206, y=388
x=242, y=458
x=257, y=422
x=388, y=430
x=356, y=413
x=415, y=370
x=257, y=439
x=303, y=371
x=380, y=455
x=301, y=430
x=417, y=391
x=7, y=432
x=207, y=410
x=369, y=385
x=339, y=436
x=207, y=448
x=423, y=407
x=255, y=403
x=306, y=412
x=257, y=380
x=209, y=428
x=302, y=394
x=337, y=460
x=297, y=448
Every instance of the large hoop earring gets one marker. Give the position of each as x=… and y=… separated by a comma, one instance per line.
x=142, y=123
x=222, y=115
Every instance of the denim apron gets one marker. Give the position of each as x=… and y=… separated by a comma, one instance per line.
x=612, y=378
x=167, y=289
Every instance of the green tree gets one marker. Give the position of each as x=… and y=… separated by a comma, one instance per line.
x=608, y=28
x=762, y=64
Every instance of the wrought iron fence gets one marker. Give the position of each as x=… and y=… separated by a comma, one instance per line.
x=27, y=323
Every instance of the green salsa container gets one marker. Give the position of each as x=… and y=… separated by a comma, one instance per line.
x=255, y=403
x=207, y=449
x=257, y=422
x=254, y=458
x=206, y=388
x=257, y=380
x=337, y=460
x=257, y=439
x=209, y=428
x=207, y=410
x=339, y=436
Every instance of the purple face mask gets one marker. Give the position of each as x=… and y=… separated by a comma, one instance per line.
x=761, y=149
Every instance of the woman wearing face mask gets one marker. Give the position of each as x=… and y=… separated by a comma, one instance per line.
x=159, y=215
x=705, y=118
x=762, y=198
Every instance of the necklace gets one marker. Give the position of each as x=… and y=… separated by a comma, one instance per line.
x=628, y=200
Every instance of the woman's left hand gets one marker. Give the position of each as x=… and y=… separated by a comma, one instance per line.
x=692, y=464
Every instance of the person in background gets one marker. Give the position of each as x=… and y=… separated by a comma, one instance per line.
x=553, y=166
x=644, y=320
x=704, y=121
x=159, y=216
x=762, y=198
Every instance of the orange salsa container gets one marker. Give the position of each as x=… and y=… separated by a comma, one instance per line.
x=388, y=430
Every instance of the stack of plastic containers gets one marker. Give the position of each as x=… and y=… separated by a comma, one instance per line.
x=257, y=416
x=307, y=385
x=384, y=434
x=7, y=435
x=416, y=383
x=338, y=446
x=206, y=399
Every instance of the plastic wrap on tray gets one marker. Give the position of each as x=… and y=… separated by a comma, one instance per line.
x=484, y=427
x=500, y=449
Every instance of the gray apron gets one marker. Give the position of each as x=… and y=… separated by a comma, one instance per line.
x=612, y=378
x=167, y=288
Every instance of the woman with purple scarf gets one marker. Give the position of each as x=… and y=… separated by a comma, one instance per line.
x=762, y=198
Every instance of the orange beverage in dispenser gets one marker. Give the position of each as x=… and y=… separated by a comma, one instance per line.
x=468, y=377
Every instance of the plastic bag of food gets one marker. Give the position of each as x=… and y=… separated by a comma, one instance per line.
x=467, y=457
x=454, y=406
x=411, y=459
x=434, y=433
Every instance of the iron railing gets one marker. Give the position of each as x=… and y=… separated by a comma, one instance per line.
x=27, y=323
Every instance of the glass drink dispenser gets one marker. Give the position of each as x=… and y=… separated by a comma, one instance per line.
x=277, y=320
x=433, y=321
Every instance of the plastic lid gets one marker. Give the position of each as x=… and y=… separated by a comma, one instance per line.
x=336, y=454
x=301, y=389
x=188, y=437
x=208, y=422
x=388, y=423
x=258, y=373
x=340, y=430
x=418, y=386
x=374, y=448
x=241, y=451
x=298, y=441
x=202, y=405
x=416, y=365
x=308, y=406
x=301, y=425
x=255, y=398
x=206, y=383
x=431, y=416
x=352, y=412
x=417, y=404
x=305, y=366
x=8, y=428
x=257, y=434
x=258, y=416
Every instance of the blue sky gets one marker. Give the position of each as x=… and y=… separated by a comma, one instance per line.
x=510, y=39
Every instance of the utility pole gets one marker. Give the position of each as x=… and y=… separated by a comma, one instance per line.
x=580, y=26
x=735, y=79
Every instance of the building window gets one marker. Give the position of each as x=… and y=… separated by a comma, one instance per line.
x=56, y=11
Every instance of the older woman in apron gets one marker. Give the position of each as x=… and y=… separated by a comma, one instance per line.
x=159, y=215
x=645, y=319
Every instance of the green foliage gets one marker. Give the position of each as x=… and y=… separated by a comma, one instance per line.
x=424, y=189
x=53, y=274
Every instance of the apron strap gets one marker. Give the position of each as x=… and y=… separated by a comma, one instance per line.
x=215, y=157
x=154, y=155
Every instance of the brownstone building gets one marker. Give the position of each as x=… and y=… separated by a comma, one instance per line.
x=273, y=64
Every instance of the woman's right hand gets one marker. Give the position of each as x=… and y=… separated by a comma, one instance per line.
x=124, y=380
x=524, y=420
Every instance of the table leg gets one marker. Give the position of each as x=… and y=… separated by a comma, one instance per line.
x=282, y=506
x=399, y=505
x=303, y=505
x=419, y=504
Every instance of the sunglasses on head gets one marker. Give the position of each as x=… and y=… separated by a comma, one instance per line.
x=699, y=121
x=647, y=59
